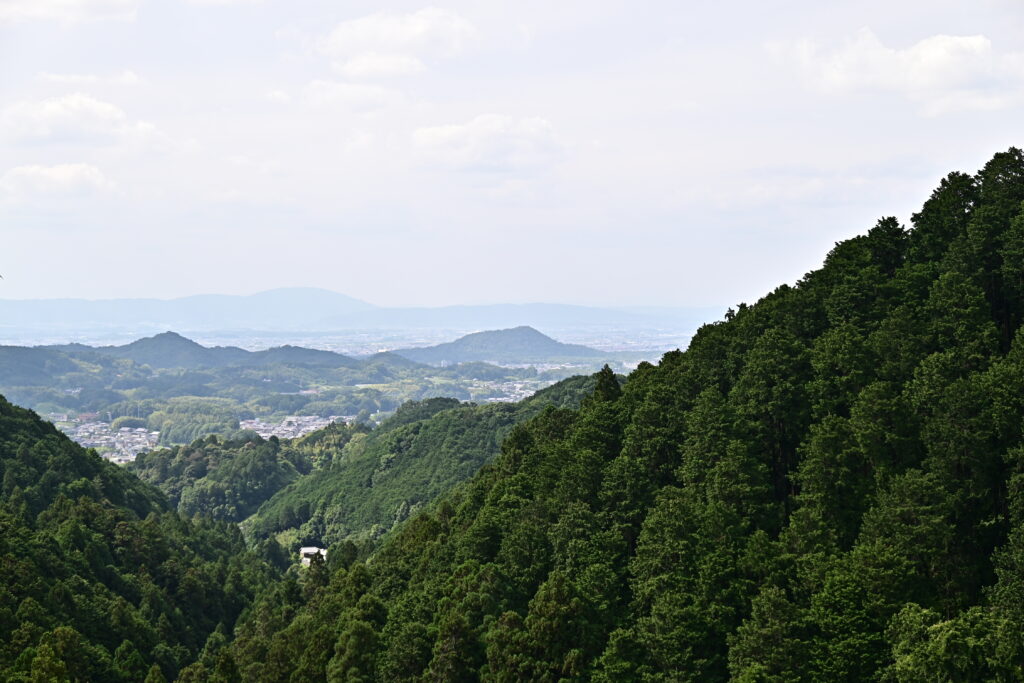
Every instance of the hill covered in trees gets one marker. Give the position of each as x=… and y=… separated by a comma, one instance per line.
x=516, y=345
x=99, y=579
x=825, y=486
x=378, y=479
x=230, y=479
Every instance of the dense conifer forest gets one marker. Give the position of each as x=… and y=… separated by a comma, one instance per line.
x=99, y=579
x=827, y=485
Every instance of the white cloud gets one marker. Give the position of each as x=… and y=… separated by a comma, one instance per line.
x=492, y=143
x=75, y=119
x=279, y=96
x=264, y=166
x=358, y=97
x=26, y=182
x=375, y=65
x=126, y=77
x=942, y=72
x=430, y=31
x=67, y=10
x=393, y=44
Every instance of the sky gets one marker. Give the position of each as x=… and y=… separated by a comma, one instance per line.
x=601, y=153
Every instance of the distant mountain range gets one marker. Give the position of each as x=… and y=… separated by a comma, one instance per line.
x=310, y=309
x=521, y=344
x=171, y=350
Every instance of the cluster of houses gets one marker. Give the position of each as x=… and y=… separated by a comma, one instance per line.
x=506, y=392
x=119, y=446
x=293, y=426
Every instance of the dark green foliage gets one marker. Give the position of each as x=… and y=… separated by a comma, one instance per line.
x=99, y=580
x=826, y=486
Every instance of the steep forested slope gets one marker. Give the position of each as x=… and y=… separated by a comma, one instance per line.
x=826, y=486
x=378, y=479
x=99, y=581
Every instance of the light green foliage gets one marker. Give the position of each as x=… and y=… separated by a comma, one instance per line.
x=229, y=480
x=377, y=480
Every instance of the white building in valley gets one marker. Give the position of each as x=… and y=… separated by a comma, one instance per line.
x=307, y=554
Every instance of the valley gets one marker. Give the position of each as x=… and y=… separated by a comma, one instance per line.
x=824, y=485
x=511, y=342
x=167, y=389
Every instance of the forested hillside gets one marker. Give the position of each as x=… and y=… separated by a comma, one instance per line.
x=378, y=479
x=827, y=485
x=229, y=480
x=99, y=580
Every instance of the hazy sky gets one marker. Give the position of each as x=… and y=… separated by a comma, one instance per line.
x=596, y=152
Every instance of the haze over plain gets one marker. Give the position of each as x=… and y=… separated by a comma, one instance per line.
x=479, y=153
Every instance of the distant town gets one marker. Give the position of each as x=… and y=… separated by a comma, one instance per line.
x=292, y=426
x=120, y=446
x=193, y=389
x=123, y=445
